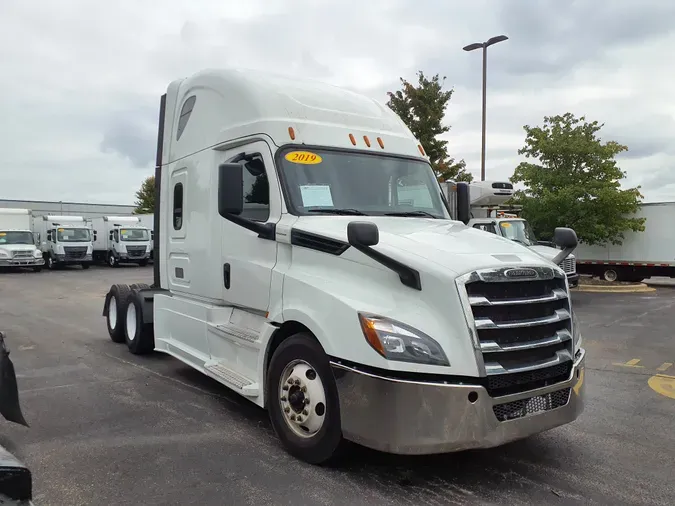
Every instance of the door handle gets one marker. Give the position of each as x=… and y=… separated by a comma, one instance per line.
x=226, y=276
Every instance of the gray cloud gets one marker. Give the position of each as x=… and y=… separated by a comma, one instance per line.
x=80, y=98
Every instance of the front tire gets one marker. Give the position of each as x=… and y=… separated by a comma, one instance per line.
x=85, y=266
x=51, y=265
x=112, y=261
x=37, y=268
x=303, y=401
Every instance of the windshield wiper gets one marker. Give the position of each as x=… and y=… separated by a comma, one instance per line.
x=353, y=212
x=412, y=213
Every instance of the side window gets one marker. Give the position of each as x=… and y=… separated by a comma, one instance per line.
x=185, y=115
x=256, y=190
x=178, y=206
x=486, y=227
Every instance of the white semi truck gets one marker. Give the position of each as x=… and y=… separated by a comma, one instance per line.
x=490, y=214
x=292, y=268
x=120, y=239
x=17, y=245
x=63, y=240
x=641, y=255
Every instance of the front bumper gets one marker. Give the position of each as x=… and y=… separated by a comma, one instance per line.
x=70, y=260
x=573, y=279
x=409, y=417
x=21, y=262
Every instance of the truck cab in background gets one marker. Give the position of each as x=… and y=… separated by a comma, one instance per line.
x=17, y=244
x=120, y=239
x=64, y=240
x=306, y=259
x=490, y=214
x=148, y=221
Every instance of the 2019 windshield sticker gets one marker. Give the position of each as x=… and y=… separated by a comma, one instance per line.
x=303, y=157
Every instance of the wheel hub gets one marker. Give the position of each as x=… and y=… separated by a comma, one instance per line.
x=302, y=398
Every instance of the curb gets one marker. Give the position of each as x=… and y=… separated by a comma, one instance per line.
x=638, y=288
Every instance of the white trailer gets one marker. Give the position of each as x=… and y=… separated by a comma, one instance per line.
x=641, y=254
x=120, y=239
x=148, y=221
x=17, y=244
x=490, y=214
x=293, y=266
x=63, y=240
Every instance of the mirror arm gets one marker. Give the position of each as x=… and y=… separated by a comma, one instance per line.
x=562, y=255
x=264, y=230
x=408, y=276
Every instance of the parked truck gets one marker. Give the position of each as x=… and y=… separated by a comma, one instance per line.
x=641, y=255
x=490, y=213
x=63, y=240
x=120, y=239
x=292, y=268
x=148, y=221
x=17, y=245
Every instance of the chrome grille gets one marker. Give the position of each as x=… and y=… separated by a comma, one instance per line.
x=569, y=265
x=532, y=406
x=522, y=326
x=22, y=254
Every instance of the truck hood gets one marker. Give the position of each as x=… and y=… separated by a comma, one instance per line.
x=418, y=241
x=17, y=247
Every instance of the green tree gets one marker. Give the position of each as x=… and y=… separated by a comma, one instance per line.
x=422, y=109
x=576, y=182
x=145, y=197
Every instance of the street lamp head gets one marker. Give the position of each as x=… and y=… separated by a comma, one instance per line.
x=471, y=47
x=495, y=40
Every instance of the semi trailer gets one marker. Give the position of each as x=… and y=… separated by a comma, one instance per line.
x=490, y=213
x=17, y=245
x=120, y=239
x=292, y=266
x=63, y=240
x=640, y=255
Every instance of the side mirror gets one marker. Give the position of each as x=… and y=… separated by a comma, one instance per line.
x=363, y=234
x=463, y=203
x=230, y=189
x=566, y=238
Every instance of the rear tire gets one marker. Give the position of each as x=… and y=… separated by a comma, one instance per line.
x=299, y=373
x=116, y=304
x=610, y=275
x=138, y=335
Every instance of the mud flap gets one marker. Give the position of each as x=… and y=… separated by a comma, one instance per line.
x=9, y=390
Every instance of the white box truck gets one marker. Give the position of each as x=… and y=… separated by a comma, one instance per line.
x=148, y=221
x=120, y=239
x=641, y=254
x=490, y=214
x=291, y=268
x=63, y=240
x=17, y=244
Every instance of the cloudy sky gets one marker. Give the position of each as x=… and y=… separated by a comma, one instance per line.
x=81, y=79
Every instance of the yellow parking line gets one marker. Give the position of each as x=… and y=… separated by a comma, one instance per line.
x=631, y=363
x=664, y=367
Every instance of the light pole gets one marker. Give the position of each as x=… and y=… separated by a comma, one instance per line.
x=484, y=46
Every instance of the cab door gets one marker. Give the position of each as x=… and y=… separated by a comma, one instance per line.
x=247, y=260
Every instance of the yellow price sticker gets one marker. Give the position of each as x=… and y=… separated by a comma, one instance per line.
x=60, y=230
x=2, y=234
x=303, y=157
x=506, y=225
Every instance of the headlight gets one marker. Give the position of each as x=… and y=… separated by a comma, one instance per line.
x=396, y=341
x=37, y=253
x=576, y=332
x=4, y=254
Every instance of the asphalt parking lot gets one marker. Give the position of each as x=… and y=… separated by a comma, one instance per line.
x=110, y=428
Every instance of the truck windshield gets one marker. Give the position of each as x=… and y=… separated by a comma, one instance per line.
x=16, y=237
x=72, y=235
x=342, y=182
x=519, y=231
x=134, y=234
